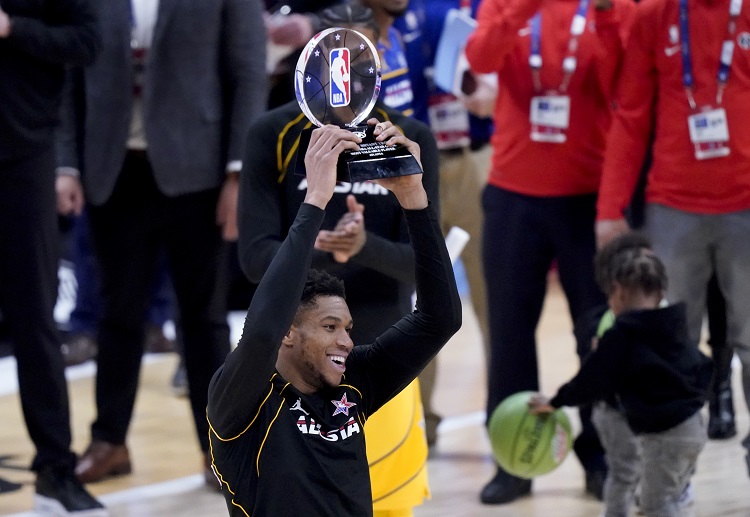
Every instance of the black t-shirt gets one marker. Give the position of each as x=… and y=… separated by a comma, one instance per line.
x=279, y=452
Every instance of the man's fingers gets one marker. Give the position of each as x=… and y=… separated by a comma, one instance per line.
x=327, y=137
x=353, y=205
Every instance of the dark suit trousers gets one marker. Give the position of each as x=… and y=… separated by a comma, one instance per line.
x=28, y=291
x=128, y=232
x=521, y=238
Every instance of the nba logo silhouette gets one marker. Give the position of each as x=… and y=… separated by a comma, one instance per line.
x=339, y=77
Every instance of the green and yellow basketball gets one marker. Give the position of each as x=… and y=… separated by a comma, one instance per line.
x=527, y=445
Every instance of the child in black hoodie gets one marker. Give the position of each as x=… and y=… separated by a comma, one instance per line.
x=659, y=379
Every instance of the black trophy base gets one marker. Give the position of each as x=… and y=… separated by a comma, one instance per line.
x=374, y=160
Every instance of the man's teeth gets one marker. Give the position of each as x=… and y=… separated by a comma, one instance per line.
x=340, y=360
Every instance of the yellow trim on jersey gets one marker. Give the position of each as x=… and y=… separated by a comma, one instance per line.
x=211, y=427
x=395, y=73
x=279, y=160
x=352, y=387
x=268, y=430
x=221, y=477
x=283, y=164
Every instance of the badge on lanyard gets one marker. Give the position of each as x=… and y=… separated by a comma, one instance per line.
x=709, y=133
x=449, y=121
x=549, y=117
x=549, y=114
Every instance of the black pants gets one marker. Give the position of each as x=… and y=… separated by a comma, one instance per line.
x=128, y=232
x=28, y=291
x=521, y=238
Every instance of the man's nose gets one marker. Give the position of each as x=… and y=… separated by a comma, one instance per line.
x=345, y=340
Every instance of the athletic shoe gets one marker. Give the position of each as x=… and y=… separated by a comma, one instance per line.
x=60, y=494
x=687, y=498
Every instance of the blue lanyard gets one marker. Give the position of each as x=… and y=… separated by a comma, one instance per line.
x=569, y=61
x=725, y=60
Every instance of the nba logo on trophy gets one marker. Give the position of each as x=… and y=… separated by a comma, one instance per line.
x=339, y=77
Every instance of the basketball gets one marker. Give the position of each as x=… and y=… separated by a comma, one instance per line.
x=527, y=445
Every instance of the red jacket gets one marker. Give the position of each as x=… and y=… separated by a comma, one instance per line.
x=501, y=44
x=651, y=85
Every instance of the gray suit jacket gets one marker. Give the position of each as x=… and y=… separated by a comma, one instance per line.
x=204, y=83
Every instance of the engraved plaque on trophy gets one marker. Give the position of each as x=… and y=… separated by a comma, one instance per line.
x=337, y=81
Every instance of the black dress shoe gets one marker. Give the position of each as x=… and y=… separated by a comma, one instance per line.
x=595, y=483
x=720, y=407
x=504, y=488
x=721, y=424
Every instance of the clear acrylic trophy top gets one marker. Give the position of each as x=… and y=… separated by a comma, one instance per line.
x=337, y=79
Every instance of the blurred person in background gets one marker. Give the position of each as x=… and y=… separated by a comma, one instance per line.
x=557, y=63
x=163, y=116
x=38, y=41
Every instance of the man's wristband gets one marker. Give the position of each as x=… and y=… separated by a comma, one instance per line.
x=234, y=167
x=68, y=171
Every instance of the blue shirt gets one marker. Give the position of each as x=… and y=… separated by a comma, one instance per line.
x=421, y=28
x=395, y=88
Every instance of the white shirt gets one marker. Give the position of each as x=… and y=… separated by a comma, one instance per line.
x=143, y=22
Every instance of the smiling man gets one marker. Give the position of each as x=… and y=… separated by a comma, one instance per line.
x=288, y=407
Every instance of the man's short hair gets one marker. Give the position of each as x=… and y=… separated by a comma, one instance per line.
x=320, y=283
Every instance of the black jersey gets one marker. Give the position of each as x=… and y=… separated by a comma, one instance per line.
x=278, y=452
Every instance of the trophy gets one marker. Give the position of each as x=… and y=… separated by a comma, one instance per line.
x=337, y=81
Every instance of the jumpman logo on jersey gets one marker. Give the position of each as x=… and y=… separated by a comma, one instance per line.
x=298, y=407
x=342, y=406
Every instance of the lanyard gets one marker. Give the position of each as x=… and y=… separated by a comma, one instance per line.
x=725, y=60
x=569, y=63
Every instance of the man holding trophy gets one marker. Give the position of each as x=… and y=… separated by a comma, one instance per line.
x=291, y=401
x=363, y=240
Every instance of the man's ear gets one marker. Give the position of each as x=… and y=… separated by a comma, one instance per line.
x=291, y=337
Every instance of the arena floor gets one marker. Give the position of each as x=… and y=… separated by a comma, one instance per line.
x=166, y=480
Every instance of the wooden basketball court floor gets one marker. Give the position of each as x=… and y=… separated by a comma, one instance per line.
x=166, y=480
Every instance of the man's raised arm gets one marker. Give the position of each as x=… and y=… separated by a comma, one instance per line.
x=238, y=387
x=400, y=353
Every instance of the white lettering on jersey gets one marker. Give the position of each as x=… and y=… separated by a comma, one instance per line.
x=398, y=94
x=367, y=187
x=364, y=187
x=309, y=426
